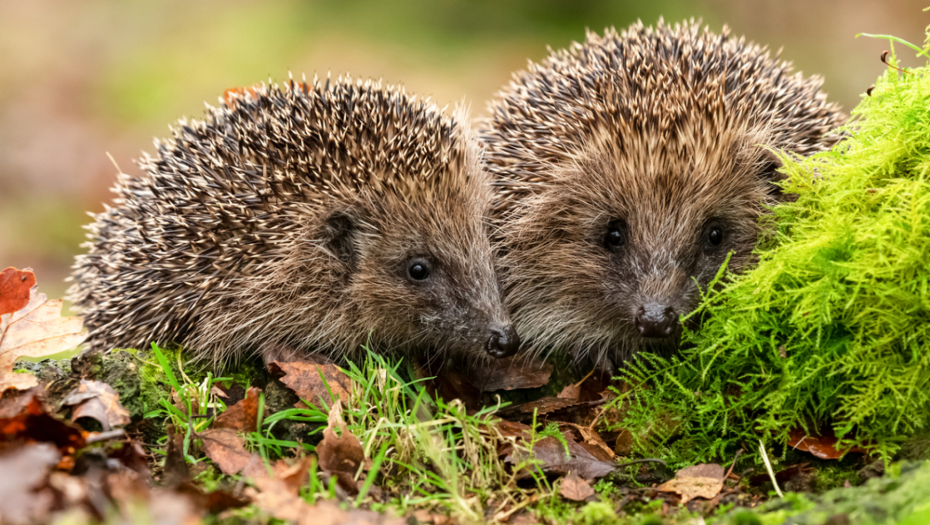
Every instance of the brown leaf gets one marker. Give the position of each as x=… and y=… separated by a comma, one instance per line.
x=428, y=516
x=692, y=487
x=545, y=405
x=590, y=437
x=97, y=400
x=275, y=497
x=23, y=417
x=509, y=373
x=575, y=488
x=307, y=381
x=243, y=416
x=341, y=455
x=14, y=289
x=227, y=450
x=23, y=498
x=212, y=502
x=624, y=444
x=704, y=470
x=176, y=469
x=782, y=476
x=550, y=452
x=571, y=392
x=824, y=447
x=35, y=330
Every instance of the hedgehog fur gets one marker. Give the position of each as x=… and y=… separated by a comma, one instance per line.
x=302, y=218
x=627, y=168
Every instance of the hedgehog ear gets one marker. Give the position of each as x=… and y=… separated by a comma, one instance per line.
x=339, y=235
x=768, y=171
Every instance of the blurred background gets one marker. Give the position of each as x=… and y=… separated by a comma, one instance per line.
x=83, y=79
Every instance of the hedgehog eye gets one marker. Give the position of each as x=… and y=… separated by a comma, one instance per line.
x=419, y=269
x=713, y=238
x=616, y=235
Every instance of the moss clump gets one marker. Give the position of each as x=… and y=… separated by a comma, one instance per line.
x=901, y=498
x=831, y=331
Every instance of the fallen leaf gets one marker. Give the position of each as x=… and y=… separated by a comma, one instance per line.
x=176, y=469
x=541, y=406
x=23, y=417
x=509, y=373
x=571, y=392
x=782, y=476
x=97, y=400
x=307, y=381
x=824, y=446
x=227, y=450
x=429, y=516
x=243, y=416
x=14, y=289
x=575, y=488
x=35, y=330
x=590, y=437
x=274, y=497
x=624, y=443
x=341, y=455
x=550, y=453
x=692, y=487
x=704, y=470
x=23, y=498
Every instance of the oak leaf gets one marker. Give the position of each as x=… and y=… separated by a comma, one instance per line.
x=35, y=330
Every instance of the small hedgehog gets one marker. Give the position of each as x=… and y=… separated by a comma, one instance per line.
x=301, y=219
x=627, y=168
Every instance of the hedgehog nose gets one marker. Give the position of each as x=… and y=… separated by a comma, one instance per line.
x=502, y=342
x=656, y=320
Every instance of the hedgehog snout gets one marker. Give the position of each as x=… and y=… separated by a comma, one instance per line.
x=656, y=320
x=502, y=341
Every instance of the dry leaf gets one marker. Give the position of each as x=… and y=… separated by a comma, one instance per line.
x=306, y=380
x=243, y=416
x=550, y=452
x=14, y=289
x=341, y=455
x=704, y=470
x=25, y=469
x=97, y=400
x=590, y=437
x=575, y=488
x=23, y=417
x=275, y=497
x=227, y=450
x=692, y=487
x=509, y=373
x=36, y=330
x=571, y=392
x=824, y=447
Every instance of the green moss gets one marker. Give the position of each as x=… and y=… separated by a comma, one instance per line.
x=831, y=331
x=902, y=497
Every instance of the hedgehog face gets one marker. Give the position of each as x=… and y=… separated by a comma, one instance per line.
x=425, y=269
x=612, y=251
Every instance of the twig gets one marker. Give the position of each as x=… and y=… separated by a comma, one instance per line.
x=106, y=436
x=768, y=466
x=736, y=457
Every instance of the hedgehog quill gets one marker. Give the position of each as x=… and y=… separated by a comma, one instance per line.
x=627, y=168
x=301, y=218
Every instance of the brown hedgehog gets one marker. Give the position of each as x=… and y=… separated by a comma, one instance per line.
x=301, y=219
x=627, y=168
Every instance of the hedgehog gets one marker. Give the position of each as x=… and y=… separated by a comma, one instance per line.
x=627, y=168
x=303, y=218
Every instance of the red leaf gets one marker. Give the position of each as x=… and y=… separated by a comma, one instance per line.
x=14, y=289
x=824, y=447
